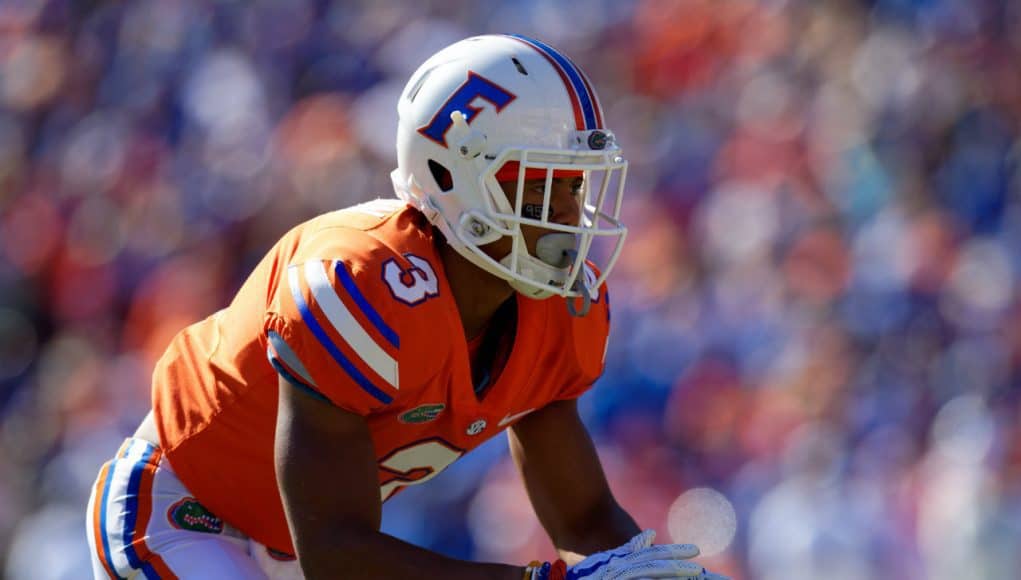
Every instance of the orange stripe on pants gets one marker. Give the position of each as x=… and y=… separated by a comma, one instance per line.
x=97, y=510
x=145, y=501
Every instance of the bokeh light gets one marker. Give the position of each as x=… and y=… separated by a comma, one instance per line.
x=18, y=343
x=704, y=517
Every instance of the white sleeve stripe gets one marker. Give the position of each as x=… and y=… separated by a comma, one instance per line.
x=284, y=352
x=347, y=325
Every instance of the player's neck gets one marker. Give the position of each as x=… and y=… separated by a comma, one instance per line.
x=478, y=293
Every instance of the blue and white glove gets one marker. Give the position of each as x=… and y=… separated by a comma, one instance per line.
x=637, y=559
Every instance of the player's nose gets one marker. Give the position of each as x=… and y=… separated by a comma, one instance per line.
x=565, y=206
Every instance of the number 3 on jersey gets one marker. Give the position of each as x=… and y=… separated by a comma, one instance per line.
x=412, y=285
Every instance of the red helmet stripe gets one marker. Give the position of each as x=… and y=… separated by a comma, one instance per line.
x=595, y=100
x=510, y=170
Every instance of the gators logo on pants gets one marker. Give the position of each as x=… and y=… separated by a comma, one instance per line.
x=189, y=514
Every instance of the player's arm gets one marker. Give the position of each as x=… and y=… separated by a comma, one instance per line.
x=326, y=470
x=566, y=484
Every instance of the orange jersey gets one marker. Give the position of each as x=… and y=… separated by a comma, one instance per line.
x=354, y=307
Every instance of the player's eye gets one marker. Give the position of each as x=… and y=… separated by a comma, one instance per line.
x=578, y=186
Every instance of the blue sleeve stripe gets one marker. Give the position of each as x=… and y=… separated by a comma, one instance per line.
x=324, y=339
x=606, y=293
x=278, y=348
x=352, y=289
x=325, y=294
x=297, y=383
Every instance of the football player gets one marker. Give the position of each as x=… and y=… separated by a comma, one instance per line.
x=375, y=345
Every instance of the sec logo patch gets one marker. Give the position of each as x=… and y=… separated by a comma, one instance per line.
x=476, y=427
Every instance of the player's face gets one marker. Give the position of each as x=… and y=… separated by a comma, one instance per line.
x=564, y=209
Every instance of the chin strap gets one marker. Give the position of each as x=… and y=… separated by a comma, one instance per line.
x=586, y=298
x=579, y=287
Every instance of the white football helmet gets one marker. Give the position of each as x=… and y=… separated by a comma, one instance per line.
x=510, y=103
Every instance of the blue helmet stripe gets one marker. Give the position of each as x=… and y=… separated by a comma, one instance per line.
x=587, y=102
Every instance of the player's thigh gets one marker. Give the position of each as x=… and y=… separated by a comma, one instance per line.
x=210, y=558
x=276, y=565
x=143, y=523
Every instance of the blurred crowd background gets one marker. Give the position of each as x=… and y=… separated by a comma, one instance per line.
x=815, y=367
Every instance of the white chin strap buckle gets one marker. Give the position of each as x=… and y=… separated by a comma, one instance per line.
x=586, y=297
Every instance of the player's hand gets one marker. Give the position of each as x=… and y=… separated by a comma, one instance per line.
x=637, y=559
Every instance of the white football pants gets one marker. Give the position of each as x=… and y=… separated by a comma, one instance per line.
x=143, y=523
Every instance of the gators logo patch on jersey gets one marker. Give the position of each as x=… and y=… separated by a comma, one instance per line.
x=422, y=413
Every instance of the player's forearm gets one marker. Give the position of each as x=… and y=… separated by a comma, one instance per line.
x=340, y=553
x=334, y=521
x=602, y=528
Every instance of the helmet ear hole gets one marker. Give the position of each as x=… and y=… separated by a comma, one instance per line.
x=442, y=176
